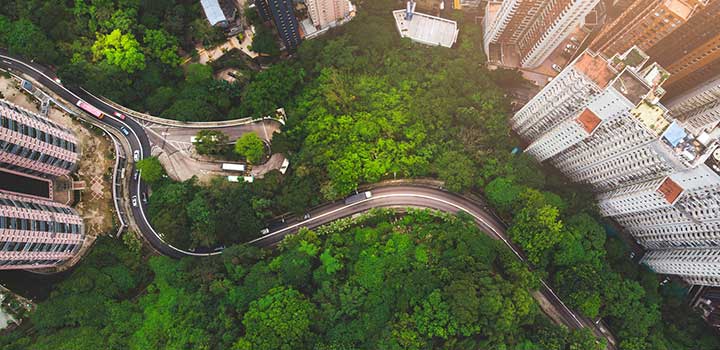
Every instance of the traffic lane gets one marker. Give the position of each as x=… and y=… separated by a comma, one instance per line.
x=411, y=197
x=46, y=80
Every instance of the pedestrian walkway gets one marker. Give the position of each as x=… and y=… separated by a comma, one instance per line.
x=215, y=53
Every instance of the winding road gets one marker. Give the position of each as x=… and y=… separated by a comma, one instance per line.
x=388, y=196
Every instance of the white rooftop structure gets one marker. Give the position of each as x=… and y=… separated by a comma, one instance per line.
x=214, y=12
x=426, y=29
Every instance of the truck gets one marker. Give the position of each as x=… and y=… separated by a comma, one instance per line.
x=233, y=167
x=358, y=197
x=90, y=109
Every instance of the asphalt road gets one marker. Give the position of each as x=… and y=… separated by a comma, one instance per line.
x=383, y=197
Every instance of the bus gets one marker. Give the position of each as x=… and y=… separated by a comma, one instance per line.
x=90, y=109
x=233, y=167
x=244, y=178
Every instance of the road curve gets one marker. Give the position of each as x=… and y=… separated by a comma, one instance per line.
x=383, y=197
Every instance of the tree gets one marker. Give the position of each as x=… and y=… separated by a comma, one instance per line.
x=538, y=231
x=251, y=147
x=211, y=142
x=162, y=46
x=456, y=169
x=196, y=73
x=503, y=193
x=150, y=169
x=121, y=50
x=264, y=42
x=279, y=320
x=24, y=38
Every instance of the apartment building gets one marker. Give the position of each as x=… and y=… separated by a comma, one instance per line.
x=616, y=136
x=654, y=174
x=531, y=29
x=36, y=233
x=327, y=13
x=643, y=24
x=698, y=108
x=697, y=266
x=281, y=13
x=691, y=53
x=35, y=145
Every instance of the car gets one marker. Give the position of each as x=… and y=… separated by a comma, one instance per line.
x=306, y=216
x=136, y=175
x=134, y=201
x=264, y=231
x=136, y=155
x=574, y=40
x=125, y=130
x=571, y=47
x=556, y=68
x=144, y=197
x=119, y=115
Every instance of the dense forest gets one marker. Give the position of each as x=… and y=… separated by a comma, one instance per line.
x=361, y=108
x=381, y=281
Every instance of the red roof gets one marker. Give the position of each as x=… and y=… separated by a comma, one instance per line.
x=588, y=120
x=670, y=189
x=596, y=68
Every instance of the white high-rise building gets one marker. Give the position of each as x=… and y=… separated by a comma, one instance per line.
x=326, y=13
x=696, y=266
x=533, y=28
x=655, y=175
x=699, y=108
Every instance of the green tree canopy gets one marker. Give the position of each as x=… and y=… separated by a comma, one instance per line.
x=279, y=320
x=151, y=170
x=161, y=46
x=121, y=50
x=211, y=142
x=264, y=42
x=251, y=147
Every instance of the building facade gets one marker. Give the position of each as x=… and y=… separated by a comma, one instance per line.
x=283, y=17
x=600, y=122
x=35, y=145
x=697, y=266
x=691, y=53
x=37, y=233
x=699, y=108
x=533, y=28
x=327, y=13
x=643, y=24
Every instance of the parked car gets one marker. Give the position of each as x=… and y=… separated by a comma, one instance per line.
x=571, y=47
x=125, y=130
x=136, y=155
x=574, y=40
x=134, y=201
x=119, y=115
x=557, y=68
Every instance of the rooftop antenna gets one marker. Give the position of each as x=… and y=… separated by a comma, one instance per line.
x=409, y=9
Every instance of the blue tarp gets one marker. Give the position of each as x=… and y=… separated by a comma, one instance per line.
x=674, y=134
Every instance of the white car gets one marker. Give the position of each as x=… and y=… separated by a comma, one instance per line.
x=556, y=68
x=264, y=231
x=134, y=201
x=136, y=155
